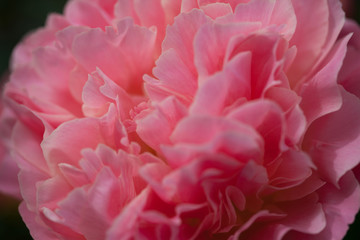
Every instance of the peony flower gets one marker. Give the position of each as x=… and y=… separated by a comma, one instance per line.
x=255, y=128
x=187, y=120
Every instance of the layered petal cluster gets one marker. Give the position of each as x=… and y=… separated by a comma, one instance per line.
x=186, y=119
x=81, y=73
x=255, y=127
x=53, y=80
x=84, y=181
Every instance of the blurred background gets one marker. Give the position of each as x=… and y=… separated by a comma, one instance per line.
x=18, y=18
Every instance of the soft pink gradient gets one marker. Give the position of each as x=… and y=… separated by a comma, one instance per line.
x=8, y=168
x=259, y=143
x=186, y=120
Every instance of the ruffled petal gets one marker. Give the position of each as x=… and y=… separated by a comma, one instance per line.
x=333, y=149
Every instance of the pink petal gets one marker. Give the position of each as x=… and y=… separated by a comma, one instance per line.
x=125, y=8
x=85, y=13
x=8, y=175
x=26, y=144
x=350, y=71
x=77, y=80
x=28, y=181
x=290, y=170
x=335, y=150
x=125, y=224
x=37, y=231
x=232, y=3
x=74, y=176
x=267, y=61
x=67, y=35
x=148, y=13
x=206, y=127
x=153, y=174
x=151, y=13
x=107, y=5
x=269, y=13
x=174, y=79
x=305, y=215
x=340, y=206
x=267, y=118
x=295, y=119
x=52, y=103
x=118, y=55
x=321, y=95
x=51, y=191
x=100, y=91
x=216, y=10
x=49, y=61
x=69, y=225
x=8, y=167
x=307, y=187
x=263, y=215
x=216, y=136
x=95, y=103
x=212, y=56
x=236, y=144
x=180, y=37
x=223, y=88
x=157, y=125
x=315, y=33
x=64, y=145
x=188, y=5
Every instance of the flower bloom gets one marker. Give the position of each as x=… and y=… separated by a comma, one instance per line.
x=188, y=120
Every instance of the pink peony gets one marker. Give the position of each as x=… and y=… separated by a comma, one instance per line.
x=187, y=120
x=261, y=126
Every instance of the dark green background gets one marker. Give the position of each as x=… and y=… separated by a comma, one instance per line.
x=18, y=17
